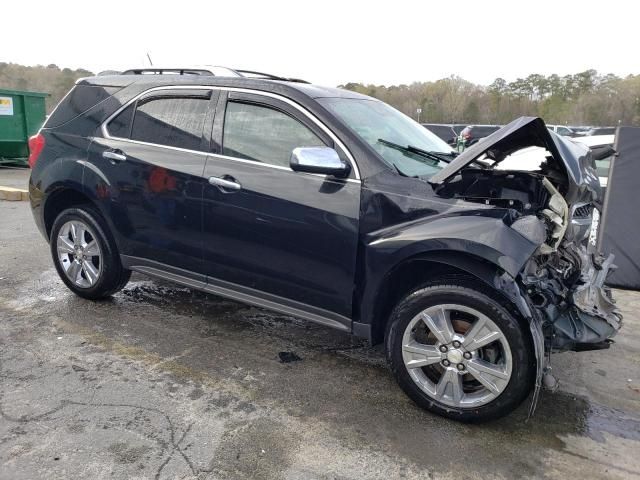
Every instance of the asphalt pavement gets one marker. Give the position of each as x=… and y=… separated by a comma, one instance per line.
x=164, y=382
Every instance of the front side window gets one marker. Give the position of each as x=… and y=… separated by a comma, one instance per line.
x=172, y=121
x=263, y=134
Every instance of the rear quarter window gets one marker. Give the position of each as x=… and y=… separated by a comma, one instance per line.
x=80, y=99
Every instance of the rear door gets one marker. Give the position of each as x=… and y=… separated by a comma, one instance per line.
x=151, y=161
x=286, y=235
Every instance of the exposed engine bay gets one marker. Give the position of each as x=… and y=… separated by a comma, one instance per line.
x=556, y=207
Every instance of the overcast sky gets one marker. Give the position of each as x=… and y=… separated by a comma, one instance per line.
x=330, y=42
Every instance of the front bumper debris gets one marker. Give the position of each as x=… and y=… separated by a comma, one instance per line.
x=591, y=318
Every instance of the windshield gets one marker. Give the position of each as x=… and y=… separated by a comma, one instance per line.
x=382, y=126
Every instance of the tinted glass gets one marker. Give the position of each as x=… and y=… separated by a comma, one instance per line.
x=79, y=100
x=175, y=121
x=120, y=126
x=254, y=132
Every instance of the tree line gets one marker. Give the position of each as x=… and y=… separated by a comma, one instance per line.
x=586, y=98
x=47, y=79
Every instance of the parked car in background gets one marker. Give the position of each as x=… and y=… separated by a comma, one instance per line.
x=579, y=130
x=334, y=207
x=600, y=131
x=471, y=134
x=561, y=130
x=446, y=131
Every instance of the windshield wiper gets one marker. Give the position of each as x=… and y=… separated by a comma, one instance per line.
x=436, y=157
x=447, y=157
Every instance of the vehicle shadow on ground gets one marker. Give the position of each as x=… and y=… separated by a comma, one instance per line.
x=569, y=414
x=556, y=413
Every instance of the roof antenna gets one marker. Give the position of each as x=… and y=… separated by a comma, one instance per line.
x=149, y=58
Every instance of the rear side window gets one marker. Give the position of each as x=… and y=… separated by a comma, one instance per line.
x=263, y=134
x=172, y=121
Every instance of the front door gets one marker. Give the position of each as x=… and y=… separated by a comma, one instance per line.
x=287, y=234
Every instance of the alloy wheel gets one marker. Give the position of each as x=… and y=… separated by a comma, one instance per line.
x=79, y=253
x=457, y=355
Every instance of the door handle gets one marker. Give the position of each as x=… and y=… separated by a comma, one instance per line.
x=114, y=155
x=225, y=183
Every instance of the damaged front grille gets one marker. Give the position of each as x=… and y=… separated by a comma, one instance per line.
x=584, y=211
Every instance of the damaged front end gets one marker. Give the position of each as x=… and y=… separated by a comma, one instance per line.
x=567, y=286
x=556, y=206
x=565, y=278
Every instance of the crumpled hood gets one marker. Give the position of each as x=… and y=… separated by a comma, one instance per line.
x=525, y=132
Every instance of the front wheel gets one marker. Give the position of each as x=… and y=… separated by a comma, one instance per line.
x=85, y=255
x=457, y=352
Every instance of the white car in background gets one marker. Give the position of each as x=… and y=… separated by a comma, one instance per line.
x=561, y=130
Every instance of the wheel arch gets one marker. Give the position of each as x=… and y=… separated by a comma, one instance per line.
x=422, y=268
x=59, y=200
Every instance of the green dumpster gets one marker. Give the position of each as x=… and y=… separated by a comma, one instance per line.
x=21, y=115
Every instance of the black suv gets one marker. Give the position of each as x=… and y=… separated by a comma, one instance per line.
x=334, y=207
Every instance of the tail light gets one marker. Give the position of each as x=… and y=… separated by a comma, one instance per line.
x=36, y=144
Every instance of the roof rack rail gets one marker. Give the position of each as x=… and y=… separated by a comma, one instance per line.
x=161, y=71
x=206, y=71
x=267, y=76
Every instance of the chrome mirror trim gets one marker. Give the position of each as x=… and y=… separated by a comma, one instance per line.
x=318, y=160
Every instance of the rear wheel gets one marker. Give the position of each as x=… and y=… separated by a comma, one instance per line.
x=85, y=256
x=459, y=353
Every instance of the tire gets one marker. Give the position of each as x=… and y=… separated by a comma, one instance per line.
x=90, y=267
x=457, y=383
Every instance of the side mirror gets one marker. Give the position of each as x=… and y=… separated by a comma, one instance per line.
x=323, y=160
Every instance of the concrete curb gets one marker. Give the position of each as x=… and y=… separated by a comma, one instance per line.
x=13, y=194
